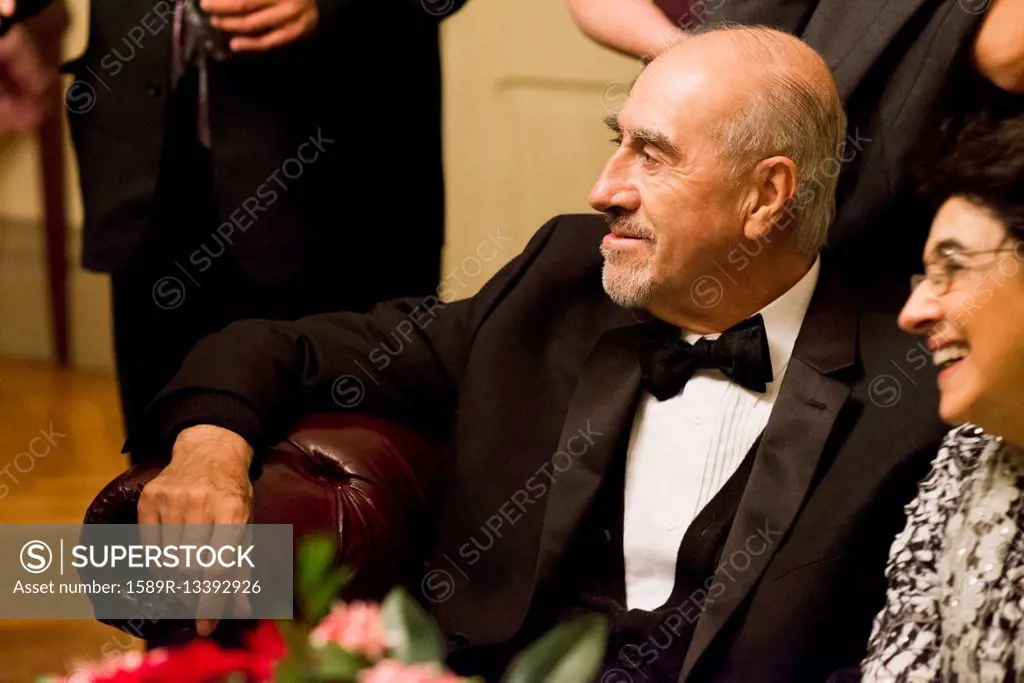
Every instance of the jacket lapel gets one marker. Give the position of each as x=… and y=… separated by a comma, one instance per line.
x=603, y=404
x=786, y=459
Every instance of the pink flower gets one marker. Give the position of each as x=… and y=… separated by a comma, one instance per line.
x=355, y=627
x=390, y=671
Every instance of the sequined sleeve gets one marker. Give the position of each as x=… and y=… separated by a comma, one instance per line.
x=906, y=634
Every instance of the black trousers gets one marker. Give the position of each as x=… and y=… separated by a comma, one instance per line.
x=163, y=305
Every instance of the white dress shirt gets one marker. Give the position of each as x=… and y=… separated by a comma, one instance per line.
x=682, y=451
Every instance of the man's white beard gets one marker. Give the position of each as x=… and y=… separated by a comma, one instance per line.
x=630, y=285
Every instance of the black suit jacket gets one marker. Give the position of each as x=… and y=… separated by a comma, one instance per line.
x=534, y=380
x=366, y=85
x=892, y=61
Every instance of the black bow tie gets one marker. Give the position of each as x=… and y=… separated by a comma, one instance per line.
x=741, y=353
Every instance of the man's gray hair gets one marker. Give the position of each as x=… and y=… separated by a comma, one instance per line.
x=792, y=116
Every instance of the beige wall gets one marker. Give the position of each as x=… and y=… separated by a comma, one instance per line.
x=524, y=97
x=525, y=94
x=24, y=301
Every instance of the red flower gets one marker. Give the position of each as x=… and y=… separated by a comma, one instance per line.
x=199, y=661
x=267, y=647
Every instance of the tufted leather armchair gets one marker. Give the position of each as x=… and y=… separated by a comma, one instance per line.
x=369, y=482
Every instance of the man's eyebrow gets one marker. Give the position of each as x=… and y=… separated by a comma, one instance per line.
x=655, y=138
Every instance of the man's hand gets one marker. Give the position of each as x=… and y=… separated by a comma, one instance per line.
x=262, y=24
x=206, y=482
x=29, y=68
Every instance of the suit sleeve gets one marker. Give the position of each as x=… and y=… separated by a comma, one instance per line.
x=430, y=10
x=401, y=361
x=905, y=637
x=790, y=16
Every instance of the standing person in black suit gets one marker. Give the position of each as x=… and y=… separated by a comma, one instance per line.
x=902, y=68
x=252, y=174
x=686, y=424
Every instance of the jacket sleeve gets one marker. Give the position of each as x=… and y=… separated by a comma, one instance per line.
x=430, y=10
x=402, y=361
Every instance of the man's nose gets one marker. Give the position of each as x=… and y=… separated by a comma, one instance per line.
x=922, y=312
x=614, y=188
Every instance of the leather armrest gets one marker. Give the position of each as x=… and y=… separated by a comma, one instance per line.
x=367, y=481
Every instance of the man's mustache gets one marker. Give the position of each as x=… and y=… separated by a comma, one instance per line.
x=629, y=226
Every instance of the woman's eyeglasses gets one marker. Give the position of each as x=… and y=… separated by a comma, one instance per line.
x=941, y=274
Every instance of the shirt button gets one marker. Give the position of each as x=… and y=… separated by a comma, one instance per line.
x=698, y=419
x=670, y=525
x=153, y=89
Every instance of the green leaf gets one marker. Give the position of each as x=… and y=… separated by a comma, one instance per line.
x=336, y=663
x=288, y=671
x=571, y=652
x=412, y=636
x=318, y=599
x=318, y=582
x=296, y=639
x=316, y=555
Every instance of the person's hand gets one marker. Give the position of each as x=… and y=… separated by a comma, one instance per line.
x=258, y=25
x=206, y=483
x=8, y=7
x=29, y=69
x=998, y=51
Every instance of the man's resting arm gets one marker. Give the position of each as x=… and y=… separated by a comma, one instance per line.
x=402, y=361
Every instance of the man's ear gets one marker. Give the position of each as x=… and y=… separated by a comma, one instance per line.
x=774, y=191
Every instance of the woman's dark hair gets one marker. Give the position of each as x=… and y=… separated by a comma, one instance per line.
x=983, y=162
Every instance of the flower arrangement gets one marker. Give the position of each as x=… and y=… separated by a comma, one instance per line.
x=393, y=642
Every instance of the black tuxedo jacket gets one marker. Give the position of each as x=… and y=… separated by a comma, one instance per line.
x=892, y=61
x=365, y=87
x=533, y=382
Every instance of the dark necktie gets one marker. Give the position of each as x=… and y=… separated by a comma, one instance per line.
x=741, y=353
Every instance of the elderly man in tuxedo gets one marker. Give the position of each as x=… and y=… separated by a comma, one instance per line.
x=905, y=70
x=671, y=413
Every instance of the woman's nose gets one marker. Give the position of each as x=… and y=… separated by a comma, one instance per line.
x=922, y=311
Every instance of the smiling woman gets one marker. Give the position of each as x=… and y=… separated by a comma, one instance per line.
x=970, y=299
x=953, y=606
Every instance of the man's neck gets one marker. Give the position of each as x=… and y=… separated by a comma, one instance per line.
x=714, y=303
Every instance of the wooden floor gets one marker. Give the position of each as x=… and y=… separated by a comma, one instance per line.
x=79, y=411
